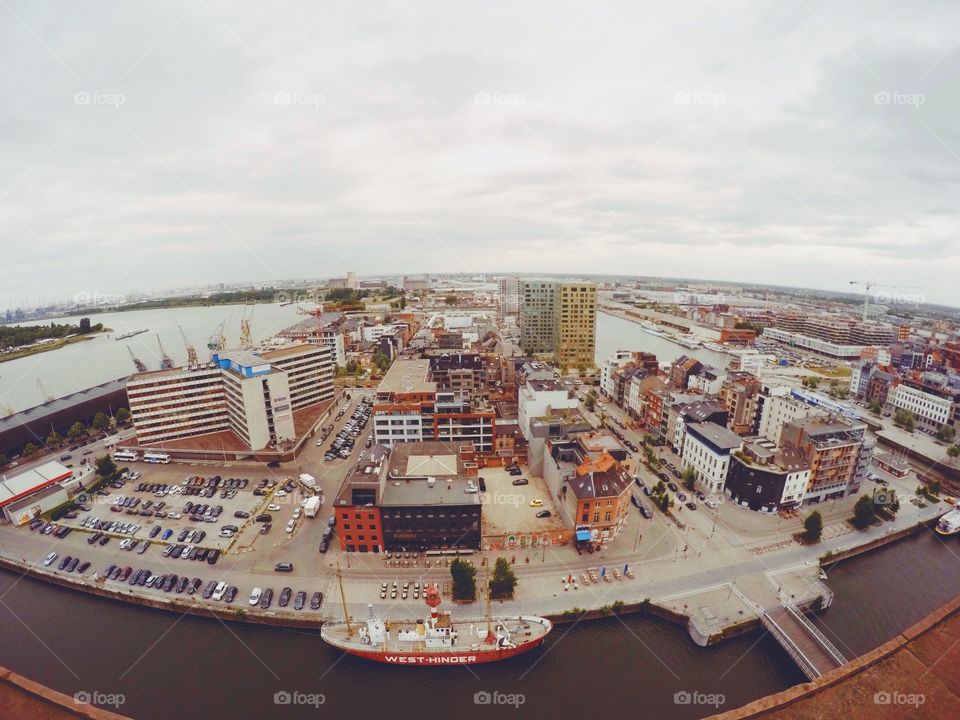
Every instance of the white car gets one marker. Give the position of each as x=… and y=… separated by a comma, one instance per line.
x=290, y=526
x=220, y=590
x=48, y=560
x=273, y=507
x=255, y=596
x=297, y=513
x=280, y=493
x=174, y=516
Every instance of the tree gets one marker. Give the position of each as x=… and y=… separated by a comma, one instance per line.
x=875, y=407
x=101, y=421
x=813, y=527
x=105, y=466
x=54, y=439
x=953, y=451
x=450, y=299
x=30, y=449
x=504, y=581
x=403, y=299
x=84, y=325
x=904, y=419
x=76, y=430
x=864, y=512
x=464, y=576
x=122, y=415
x=946, y=433
x=689, y=478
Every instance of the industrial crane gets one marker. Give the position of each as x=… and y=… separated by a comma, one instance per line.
x=141, y=367
x=191, y=350
x=868, y=285
x=165, y=360
x=246, y=338
x=218, y=340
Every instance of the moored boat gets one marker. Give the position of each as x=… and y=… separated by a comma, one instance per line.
x=949, y=523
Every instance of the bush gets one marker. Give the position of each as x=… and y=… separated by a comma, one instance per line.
x=504, y=581
x=813, y=527
x=864, y=512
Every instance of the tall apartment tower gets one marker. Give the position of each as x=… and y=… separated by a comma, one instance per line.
x=508, y=300
x=559, y=319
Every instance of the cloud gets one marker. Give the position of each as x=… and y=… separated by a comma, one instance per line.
x=190, y=143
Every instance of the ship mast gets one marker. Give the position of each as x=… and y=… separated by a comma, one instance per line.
x=491, y=638
x=343, y=599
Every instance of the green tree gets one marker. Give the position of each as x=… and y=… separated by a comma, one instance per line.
x=946, y=433
x=122, y=415
x=54, y=439
x=953, y=451
x=864, y=512
x=30, y=449
x=403, y=299
x=504, y=581
x=904, y=419
x=875, y=407
x=464, y=576
x=76, y=430
x=101, y=421
x=105, y=466
x=450, y=299
x=84, y=325
x=689, y=478
x=886, y=500
x=813, y=527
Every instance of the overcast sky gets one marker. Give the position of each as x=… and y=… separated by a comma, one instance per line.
x=152, y=145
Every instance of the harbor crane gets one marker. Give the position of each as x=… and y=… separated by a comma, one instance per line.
x=166, y=362
x=218, y=340
x=139, y=364
x=191, y=350
x=246, y=338
x=868, y=285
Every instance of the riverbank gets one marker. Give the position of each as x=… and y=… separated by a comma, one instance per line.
x=55, y=345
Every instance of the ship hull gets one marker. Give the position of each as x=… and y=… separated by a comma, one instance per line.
x=434, y=659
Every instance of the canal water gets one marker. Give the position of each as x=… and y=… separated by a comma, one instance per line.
x=166, y=666
x=615, y=333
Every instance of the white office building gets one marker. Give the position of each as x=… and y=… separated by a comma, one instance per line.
x=706, y=449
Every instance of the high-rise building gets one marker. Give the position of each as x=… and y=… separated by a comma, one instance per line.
x=508, y=300
x=559, y=319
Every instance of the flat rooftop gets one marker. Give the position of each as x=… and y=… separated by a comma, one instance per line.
x=407, y=376
x=716, y=435
x=435, y=459
x=445, y=491
x=33, y=479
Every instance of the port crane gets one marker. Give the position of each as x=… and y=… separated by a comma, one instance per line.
x=246, y=338
x=139, y=364
x=191, y=350
x=166, y=362
x=868, y=285
x=218, y=341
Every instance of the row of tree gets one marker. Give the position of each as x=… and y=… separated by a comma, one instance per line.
x=75, y=433
x=503, y=581
x=18, y=335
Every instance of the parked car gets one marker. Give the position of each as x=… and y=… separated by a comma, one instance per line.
x=316, y=600
x=283, y=567
x=521, y=481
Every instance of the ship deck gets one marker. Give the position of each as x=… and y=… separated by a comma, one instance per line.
x=472, y=635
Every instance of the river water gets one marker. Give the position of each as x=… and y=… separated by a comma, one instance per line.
x=102, y=359
x=170, y=666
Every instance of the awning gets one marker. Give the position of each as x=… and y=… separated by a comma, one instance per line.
x=583, y=535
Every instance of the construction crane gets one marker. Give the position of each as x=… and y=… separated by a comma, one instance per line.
x=139, y=364
x=868, y=285
x=191, y=350
x=218, y=340
x=165, y=360
x=246, y=338
x=316, y=312
x=43, y=391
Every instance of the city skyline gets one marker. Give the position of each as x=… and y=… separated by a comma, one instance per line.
x=804, y=146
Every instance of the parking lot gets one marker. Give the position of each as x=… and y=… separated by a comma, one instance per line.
x=506, y=507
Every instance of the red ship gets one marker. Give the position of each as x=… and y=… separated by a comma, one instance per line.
x=437, y=640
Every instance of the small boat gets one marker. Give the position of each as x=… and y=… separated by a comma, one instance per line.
x=949, y=523
x=823, y=574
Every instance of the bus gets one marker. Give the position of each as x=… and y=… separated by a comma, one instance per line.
x=126, y=456
x=455, y=552
x=152, y=456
